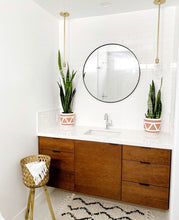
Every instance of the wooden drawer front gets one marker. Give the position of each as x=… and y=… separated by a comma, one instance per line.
x=153, y=174
x=61, y=179
x=151, y=155
x=98, y=169
x=60, y=160
x=56, y=144
x=145, y=195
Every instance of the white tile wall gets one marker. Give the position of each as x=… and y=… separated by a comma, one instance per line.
x=136, y=30
x=47, y=119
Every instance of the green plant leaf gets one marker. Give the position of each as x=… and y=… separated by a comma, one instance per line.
x=150, y=108
x=62, y=97
x=158, y=106
x=60, y=67
x=153, y=97
x=68, y=101
x=67, y=84
x=59, y=61
x=66, y=87
x=154, y=103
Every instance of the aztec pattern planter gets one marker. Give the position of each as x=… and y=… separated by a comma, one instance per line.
x=67, y=118
x=152, y=125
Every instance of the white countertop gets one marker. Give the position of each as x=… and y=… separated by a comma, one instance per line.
x=127, y=137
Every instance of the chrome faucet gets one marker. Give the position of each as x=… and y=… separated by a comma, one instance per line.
x=106, y=118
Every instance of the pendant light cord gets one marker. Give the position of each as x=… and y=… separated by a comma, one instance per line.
x=158, y=35
x=64, y=63
x=64, y=15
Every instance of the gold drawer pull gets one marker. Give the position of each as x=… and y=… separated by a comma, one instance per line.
x=145, y=162
x=144, y=184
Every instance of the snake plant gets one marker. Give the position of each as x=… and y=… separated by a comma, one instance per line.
x=154, y=103
x=67, y=92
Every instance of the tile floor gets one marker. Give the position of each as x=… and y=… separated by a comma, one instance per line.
x=41, y=211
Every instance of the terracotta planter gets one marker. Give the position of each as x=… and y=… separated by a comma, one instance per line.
x=152, y=125
x=67, y=118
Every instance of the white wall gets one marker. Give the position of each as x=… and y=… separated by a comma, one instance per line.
x=174, y=199
x=136, y=30
x=28, y=61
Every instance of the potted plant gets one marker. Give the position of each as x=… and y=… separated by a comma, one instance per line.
x=67, y=93
x=152, y=121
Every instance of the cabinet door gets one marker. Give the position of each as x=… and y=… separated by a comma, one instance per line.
x=98, y=169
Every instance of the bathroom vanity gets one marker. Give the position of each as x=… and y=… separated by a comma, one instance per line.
x=112, y=168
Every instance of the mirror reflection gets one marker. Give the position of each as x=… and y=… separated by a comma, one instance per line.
x=111, y=73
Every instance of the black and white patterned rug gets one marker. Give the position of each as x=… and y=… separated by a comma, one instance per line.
x=81, y=207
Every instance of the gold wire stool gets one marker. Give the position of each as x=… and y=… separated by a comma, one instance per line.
x=28, y=181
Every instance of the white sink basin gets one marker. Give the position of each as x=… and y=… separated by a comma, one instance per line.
x=103, y=133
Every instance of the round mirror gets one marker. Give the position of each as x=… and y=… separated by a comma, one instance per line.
x=111, y=73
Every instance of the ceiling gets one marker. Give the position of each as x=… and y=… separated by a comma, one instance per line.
x=88, y=8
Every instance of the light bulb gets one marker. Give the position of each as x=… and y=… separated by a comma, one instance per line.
x=158, y=70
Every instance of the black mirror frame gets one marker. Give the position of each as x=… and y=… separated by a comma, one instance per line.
x=83, y=73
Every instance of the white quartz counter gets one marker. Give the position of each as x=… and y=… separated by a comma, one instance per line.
x=127, y=137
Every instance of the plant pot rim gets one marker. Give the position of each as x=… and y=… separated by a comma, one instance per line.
x=63, y=113
x=153, y=119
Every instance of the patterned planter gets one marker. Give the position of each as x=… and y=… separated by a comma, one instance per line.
x=67, y=118
x=152, y=125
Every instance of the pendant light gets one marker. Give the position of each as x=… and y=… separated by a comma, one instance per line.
x=159, y=3
x=64, y=15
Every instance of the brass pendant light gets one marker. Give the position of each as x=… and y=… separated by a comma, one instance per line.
x=159, y=3
x=64, y=15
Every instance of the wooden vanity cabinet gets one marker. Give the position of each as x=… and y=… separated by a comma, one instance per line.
x=132, y=174
x=61, y=152
x=146, y=176
x=98, y=169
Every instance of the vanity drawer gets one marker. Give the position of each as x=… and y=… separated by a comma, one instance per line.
x=61, y=179
x=60, y=160
x=56, y=144
x=143, y=154
x=153, y=174
x=157, y=197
